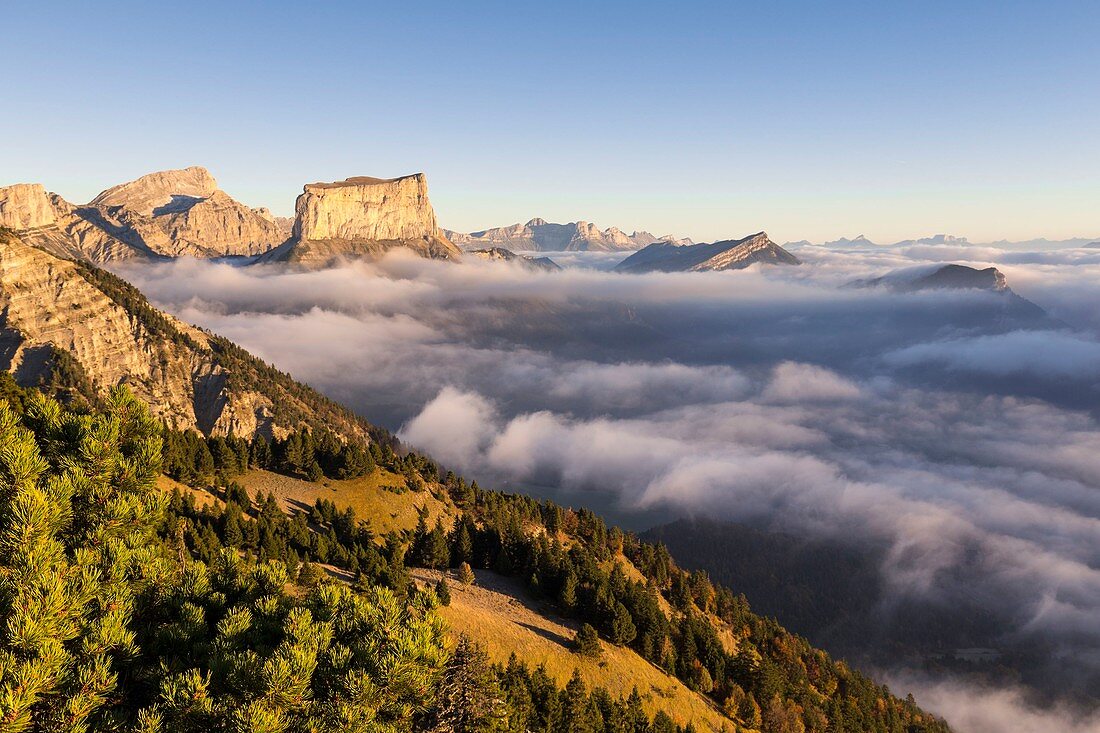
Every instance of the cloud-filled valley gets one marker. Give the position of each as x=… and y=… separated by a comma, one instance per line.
x=950, y=433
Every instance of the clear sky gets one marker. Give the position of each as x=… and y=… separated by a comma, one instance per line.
x=808, y=119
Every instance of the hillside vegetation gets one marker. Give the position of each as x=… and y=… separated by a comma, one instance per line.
x=634, y=595
x=109, y=624
x=508, y=620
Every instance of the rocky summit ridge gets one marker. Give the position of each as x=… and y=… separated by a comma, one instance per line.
x=730, y=254
x=164, y=214
x=539, y=235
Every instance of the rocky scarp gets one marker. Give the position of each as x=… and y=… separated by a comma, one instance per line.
x=69, y=324
x=363, y=218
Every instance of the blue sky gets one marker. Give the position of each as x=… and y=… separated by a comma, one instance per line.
x=808, y=119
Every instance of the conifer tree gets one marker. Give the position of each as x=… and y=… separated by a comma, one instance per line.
x=76, y=530
x=587, y=641
x=442, y=592
x=465, y=574
x=470, y=700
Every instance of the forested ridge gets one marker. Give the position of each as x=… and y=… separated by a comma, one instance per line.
x=237, y=580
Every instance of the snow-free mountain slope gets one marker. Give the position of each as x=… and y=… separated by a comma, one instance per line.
x=725, y=255
x=83, y=330
x=539, y=235
x=164, y=214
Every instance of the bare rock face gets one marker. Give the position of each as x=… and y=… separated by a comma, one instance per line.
x=47, y=306
x=730, y=254
x=363, y=218
x=50, y=222
x=182, y=212
x=540, y=235
x=160, y=192
x=55, y=311
x=26, y=206
x=165, y=214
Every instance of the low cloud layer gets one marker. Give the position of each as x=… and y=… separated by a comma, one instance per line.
x=959, y=442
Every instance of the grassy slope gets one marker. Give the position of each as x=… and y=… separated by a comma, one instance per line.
x=501, y=615
x=384, y=509
x=497, y=612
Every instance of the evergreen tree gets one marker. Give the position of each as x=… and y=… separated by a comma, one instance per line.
x=469, y=698
x=309, y=574
x=465, y=574
x=77, y=511
x=622, y=630
x=587, y=641
x=442, y=592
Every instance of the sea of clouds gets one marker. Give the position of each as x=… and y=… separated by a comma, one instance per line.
x=958, y=440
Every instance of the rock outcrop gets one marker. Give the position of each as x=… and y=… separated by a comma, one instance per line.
x=66, y=322
x=48, y=221
x=26, y=206
x=499, y=254
x=938, y=277
x=363, y=218
x=731, y=254
x=164, y=214
x=539, y=235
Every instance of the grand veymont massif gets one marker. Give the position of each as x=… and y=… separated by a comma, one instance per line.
x=191, y=540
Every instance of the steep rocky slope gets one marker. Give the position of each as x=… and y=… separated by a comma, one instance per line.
x=363, y=218
x=165, y=214
x=183, y=212
x=48, y=221
x=499, y=254
x=542, y=236
x=733, y=254
x=83, y=330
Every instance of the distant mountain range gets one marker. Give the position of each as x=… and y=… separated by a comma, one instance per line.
x=730, y=254
x=862, y=242
x=932, y=277
x=539, y=235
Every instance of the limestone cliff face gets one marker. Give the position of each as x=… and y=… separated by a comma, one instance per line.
x=542, y=236
x=26, y=206
x=164, y=214
x=50, y=305
x=49, y=222
x=365, y=218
